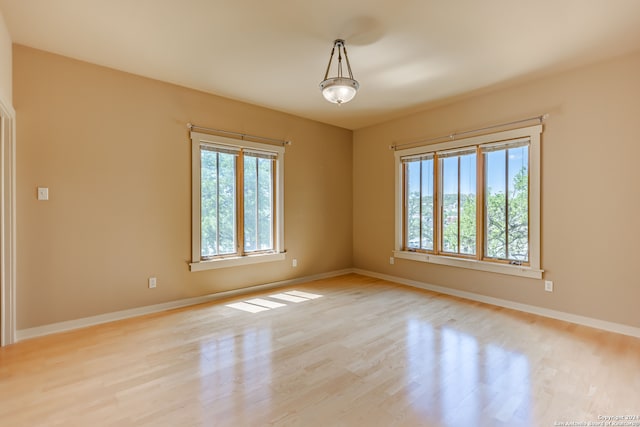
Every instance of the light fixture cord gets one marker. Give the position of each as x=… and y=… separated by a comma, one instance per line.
x=340, y=60
x=326, y=75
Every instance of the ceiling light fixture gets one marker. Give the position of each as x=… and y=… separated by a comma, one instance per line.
x=339, y=89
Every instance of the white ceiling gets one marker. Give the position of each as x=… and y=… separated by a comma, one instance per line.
x=406, y=54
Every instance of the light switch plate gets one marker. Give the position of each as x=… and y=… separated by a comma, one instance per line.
x=43, y=193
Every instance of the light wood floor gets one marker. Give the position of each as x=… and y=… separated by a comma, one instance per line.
x=365, y=353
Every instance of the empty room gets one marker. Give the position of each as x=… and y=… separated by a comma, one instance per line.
x=295, y=213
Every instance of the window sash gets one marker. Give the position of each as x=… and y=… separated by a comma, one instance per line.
x=458, y=247
x=425, y=211
x=220, y=233
x=259, y=225
x=509, y=194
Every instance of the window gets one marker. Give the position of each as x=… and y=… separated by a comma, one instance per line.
x=472, y=203
x=237, y=202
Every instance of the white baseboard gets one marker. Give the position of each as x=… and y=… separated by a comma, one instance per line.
x=545, y=312
x=23, y=334
x=619, y=328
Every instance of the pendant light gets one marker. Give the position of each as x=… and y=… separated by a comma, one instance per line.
x=339, y=89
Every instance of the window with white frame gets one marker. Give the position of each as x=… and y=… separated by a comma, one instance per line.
x=237, y=202
x=472, y=203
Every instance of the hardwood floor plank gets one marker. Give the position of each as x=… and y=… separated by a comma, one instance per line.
x=346, y=351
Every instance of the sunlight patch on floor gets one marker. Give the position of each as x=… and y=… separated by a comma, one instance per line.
x=265, y=303
x=303, y=294
x=251, y=308
x=256, y=305
x=287, y=297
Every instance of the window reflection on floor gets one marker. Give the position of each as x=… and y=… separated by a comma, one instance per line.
x=216, y=373
x=473, y=378
x=459, y=377
x=221, y=375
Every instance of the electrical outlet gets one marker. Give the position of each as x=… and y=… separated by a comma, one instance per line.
x=392, y=260
x=294, y=263
x=548, y=285
x=152, y=282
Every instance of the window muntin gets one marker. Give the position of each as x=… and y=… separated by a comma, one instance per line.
x=237, y=202
x=524, y=252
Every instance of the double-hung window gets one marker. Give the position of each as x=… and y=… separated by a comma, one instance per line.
x=237, y=202
x=472, y=203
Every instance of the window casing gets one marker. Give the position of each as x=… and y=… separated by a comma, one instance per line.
x=472, y=203
x=237, y=202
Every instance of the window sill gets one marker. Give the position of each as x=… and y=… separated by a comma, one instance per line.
x=512, y=270
x=236, y=261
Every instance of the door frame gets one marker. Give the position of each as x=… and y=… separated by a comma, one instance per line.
x=7, y=224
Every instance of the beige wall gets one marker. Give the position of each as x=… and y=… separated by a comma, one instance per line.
x=5, y=63
x=114, y=150
x=590, y=190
